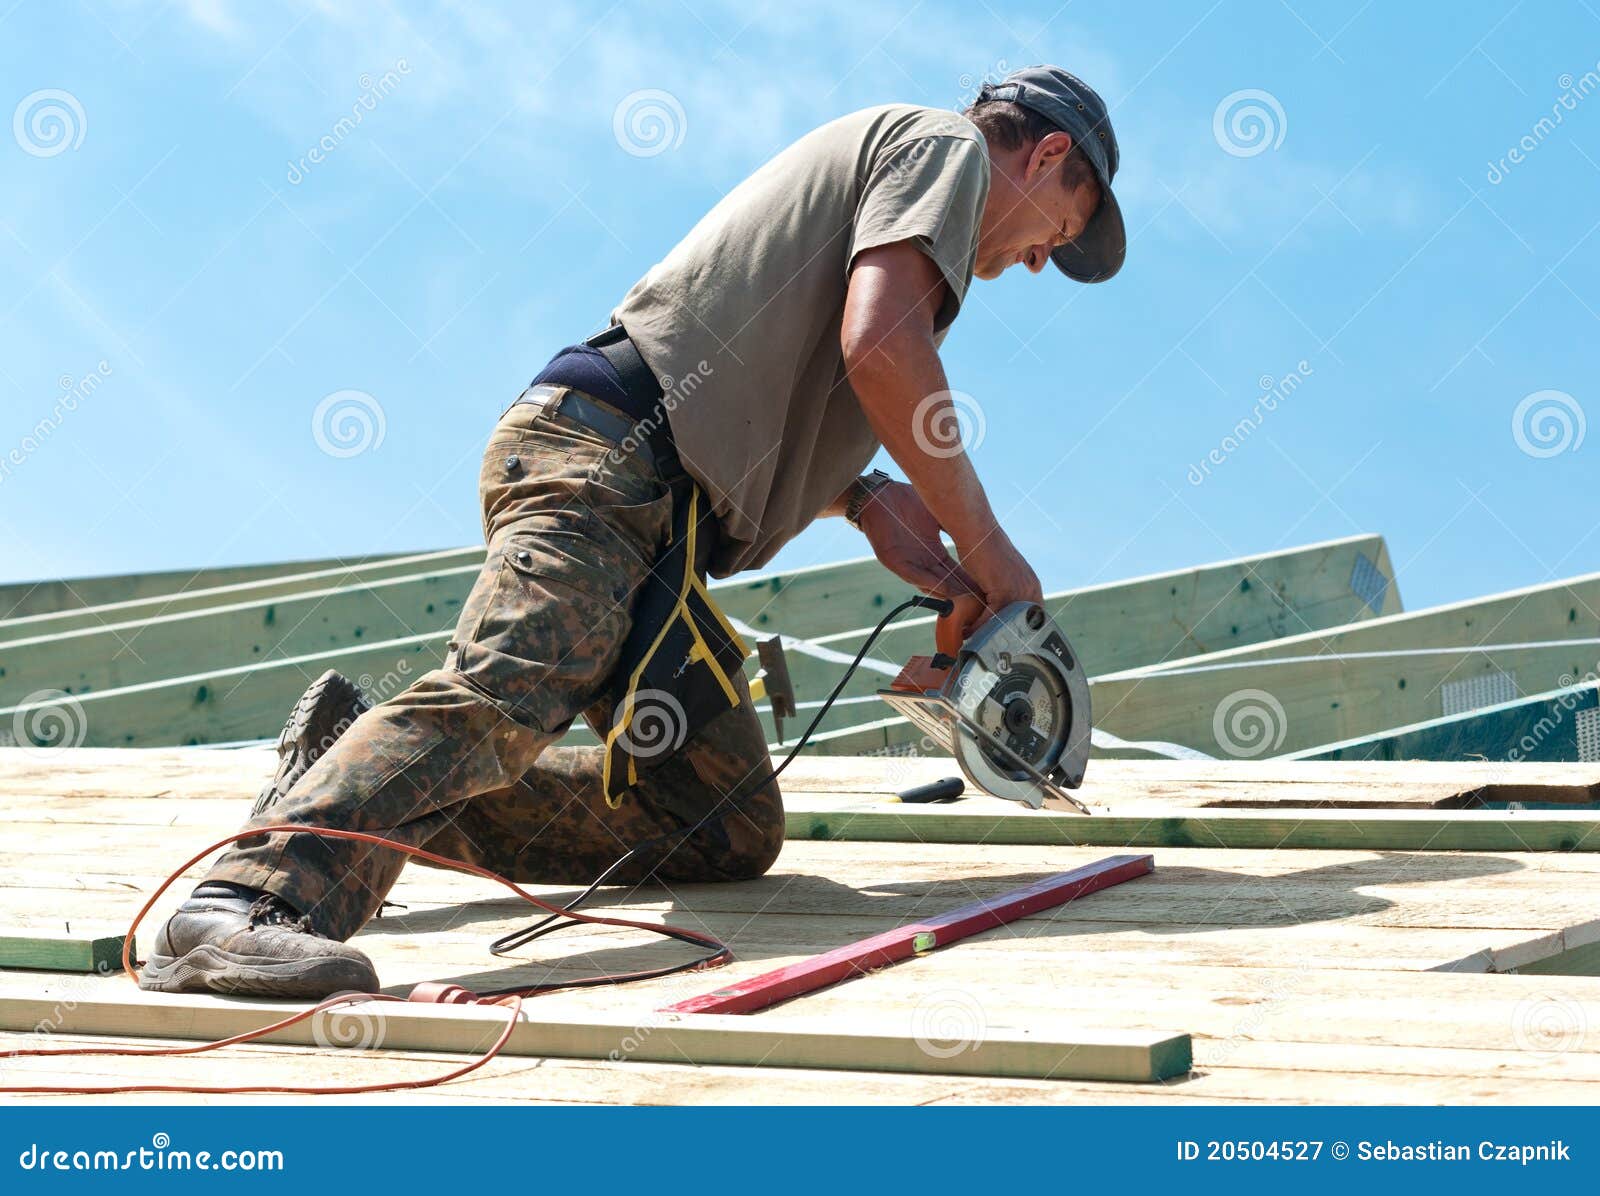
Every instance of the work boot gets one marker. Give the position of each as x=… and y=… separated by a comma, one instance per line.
x=323, y=713
x=227, y=938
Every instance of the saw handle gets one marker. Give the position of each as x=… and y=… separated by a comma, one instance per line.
x=947, y=638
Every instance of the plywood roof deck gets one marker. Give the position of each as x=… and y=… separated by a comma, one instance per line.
x=1349, y=973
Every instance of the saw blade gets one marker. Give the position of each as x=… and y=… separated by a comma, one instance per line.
x=1026, y=708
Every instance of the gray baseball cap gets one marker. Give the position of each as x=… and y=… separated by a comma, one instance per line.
x=1077, y=109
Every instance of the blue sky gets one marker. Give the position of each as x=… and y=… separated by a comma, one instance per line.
x=184, y=287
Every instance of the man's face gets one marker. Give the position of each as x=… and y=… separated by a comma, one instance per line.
x=1029, y=211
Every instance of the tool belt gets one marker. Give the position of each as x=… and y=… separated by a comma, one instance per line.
x=680, y=661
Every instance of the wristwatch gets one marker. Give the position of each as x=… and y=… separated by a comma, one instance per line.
x=861, y=492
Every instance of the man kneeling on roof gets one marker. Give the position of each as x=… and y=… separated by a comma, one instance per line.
x=797, y=328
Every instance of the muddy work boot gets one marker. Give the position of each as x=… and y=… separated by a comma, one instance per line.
x=230, y=939
x=323, y=713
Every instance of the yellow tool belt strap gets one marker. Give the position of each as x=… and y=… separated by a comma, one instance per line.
x=677, y=664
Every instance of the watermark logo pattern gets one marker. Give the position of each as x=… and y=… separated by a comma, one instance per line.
x=1249, y=122
x=649, y=122
x=49, y=122
x=348, y=423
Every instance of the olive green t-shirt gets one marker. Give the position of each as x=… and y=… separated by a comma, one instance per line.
x=741, y=321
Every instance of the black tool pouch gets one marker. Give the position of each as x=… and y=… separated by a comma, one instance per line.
x=679, y=663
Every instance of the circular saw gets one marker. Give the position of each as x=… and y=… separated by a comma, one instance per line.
x=1012, y=706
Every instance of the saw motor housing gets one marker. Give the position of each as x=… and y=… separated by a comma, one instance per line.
x=1012, y=707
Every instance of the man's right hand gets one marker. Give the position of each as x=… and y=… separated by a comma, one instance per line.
x=1002, y=576
x=1001, y=573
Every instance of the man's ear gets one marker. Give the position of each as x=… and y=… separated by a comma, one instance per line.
x=1048, y=153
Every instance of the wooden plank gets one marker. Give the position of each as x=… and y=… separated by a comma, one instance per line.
x=211, y=644
x=1297, y=703
x=1542, y=728
x=892, y=946
x=259, y=631
x=202, y=661
x=1235, y=1071
x=1376, y=830
x=1301, y=975
x=227, y=705
x=1575, y=961
x=1344, y=683
x=136, y=609
x=866, y=1043
x=818, y=600
x=540, y=1081
x=25, y=598
x=292, y=616
x=60, y=951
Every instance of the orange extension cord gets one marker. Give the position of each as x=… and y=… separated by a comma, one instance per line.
x=513, y=999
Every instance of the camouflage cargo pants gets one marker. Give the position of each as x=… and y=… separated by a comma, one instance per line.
x=461, y=763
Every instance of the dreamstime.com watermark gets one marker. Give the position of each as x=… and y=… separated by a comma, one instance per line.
x=948, y=423
x=158, y=1156
x=348, y=423
x=649, y=122
x=1548, y=1025
x=902, y=761
x=972, y=85
x=373, y=92
x=46, y=723
x=657, y=725
x=1249, y=723
x=66, y=991
x=1548, y=423
x=356, y=1026
x=949, y=1022
x=674, y=393
x=49, y=122
x=381, y=689
x=373, y=690
x=1249, y=122
x=678, y=987
x=1268, y=1003
x=1273, y=392
x=1573, y=93
x=74, y=391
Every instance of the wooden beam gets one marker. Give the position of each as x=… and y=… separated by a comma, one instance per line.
x=1254, y=708
x=23, y=598
x=991, y=822
x=918, y=938
x=1544, y=728
x=275, y=585
x=59, y=952
x=259, y=631
x=1114, y=784
x=283, y=617
x=226, y=705
x=208, y=651
x=819, y=600
x=1356, y=681
x=866, y=1043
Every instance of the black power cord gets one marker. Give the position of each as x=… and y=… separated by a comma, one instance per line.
x=550, y=923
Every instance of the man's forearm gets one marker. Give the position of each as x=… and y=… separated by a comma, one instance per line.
x=894, y=380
